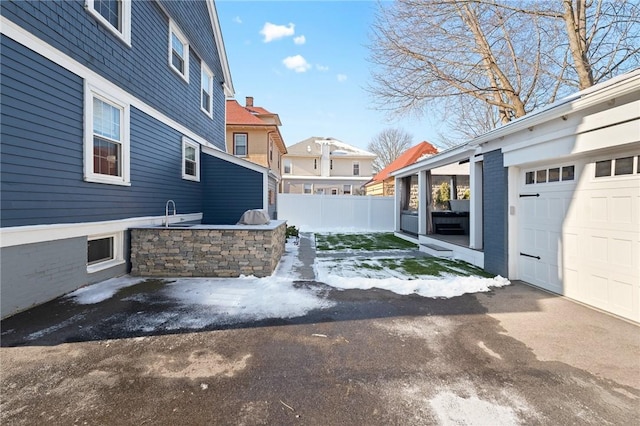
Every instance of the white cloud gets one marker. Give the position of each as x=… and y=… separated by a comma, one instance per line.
x=342, y=78
x=274, y=32
x=322, y=68
x=296, y=63
x=237, y=20
x=300, y=40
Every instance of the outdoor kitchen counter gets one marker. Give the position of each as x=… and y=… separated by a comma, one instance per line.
x=201, y=250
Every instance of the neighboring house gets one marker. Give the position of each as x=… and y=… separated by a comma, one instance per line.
x=383, y=183
x=555, y=198
x=325, y=166
x=253, y=134
x=109, y=110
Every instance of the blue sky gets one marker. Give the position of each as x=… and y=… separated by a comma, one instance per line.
x=307, y=62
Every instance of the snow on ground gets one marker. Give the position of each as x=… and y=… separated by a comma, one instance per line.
x=341, y=276
x=198, y=302
x=104, y=290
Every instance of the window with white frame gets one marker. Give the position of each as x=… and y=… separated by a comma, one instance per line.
x=115, y=15
x=106, y=145
x=346, y=189
x=178, y=52
x=307, y=188
x=240, y=144
x=334, y=191
x=206, y=89
x=288, y=167
x=356, y=168
x=104, y=251
x=190, y=160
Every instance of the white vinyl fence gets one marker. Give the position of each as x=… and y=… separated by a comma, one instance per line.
x=336, y=212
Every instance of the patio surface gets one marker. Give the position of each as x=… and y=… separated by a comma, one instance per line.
x=514, y=355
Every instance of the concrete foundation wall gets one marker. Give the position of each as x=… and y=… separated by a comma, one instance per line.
x=206, y=252
x=32, y=274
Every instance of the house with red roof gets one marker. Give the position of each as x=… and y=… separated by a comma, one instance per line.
x=253, y=133
x=383, y=183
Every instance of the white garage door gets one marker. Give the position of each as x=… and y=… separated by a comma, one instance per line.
x=580, y=231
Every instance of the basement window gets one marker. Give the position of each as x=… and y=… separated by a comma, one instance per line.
x=104, y=251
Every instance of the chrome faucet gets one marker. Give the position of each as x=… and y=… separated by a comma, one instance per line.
x=166, y=212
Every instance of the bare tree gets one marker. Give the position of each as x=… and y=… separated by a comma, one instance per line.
x=388, y=145
x=448, y=56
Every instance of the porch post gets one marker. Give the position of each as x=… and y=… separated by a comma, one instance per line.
x=423, y=202
x=397, y=203
x=475, y=207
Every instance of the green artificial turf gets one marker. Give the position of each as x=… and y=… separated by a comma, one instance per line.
x=362, y=242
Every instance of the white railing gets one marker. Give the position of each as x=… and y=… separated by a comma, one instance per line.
x=336, y=212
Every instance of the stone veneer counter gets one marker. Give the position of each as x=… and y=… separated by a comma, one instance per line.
x=207, y=250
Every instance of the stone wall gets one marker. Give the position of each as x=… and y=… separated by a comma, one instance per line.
x=207, y=251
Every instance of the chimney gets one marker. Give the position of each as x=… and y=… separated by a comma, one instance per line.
x=249, y=101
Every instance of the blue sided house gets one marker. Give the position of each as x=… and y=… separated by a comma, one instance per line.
x=110, y=108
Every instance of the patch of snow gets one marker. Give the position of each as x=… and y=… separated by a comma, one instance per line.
x=104, y=290
x=452, y=409
x=387, y=279
x=246, y=298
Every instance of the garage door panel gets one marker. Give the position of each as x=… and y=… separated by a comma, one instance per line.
x=587, y=236
x=621, y=211
x=598, y=249
x=622, y=295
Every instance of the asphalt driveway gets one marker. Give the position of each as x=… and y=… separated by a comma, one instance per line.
x=513, y=355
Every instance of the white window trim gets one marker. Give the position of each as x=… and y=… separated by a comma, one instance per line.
x=353, y=166
x=350, y=189
x=246, y=144
x=89, y=176
x=125, y=35
x=185, y=143
x=173, y=28
x=118, y=252
x=204, y=69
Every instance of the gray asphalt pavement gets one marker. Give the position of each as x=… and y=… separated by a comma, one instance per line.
x=515, y=355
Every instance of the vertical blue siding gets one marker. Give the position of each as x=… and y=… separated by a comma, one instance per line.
x=41, y=176
x=143, y=68
x=230, y=190
x=495, y=211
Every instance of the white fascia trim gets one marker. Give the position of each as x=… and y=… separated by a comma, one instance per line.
x=448, y=157
x=30, y=41
x=328, y=178
x=19, y=235
x=222, y=53
x=233, y=159
x=603, y=92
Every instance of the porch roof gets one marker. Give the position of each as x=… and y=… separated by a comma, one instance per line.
x=450, y=156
